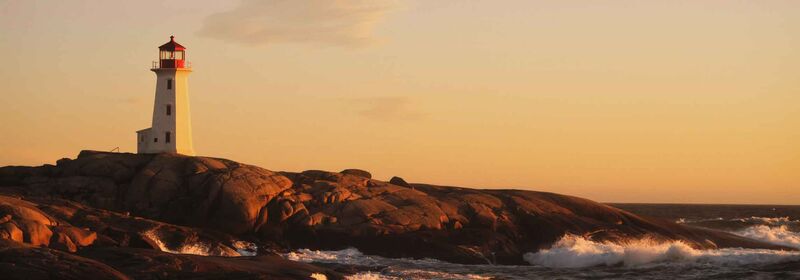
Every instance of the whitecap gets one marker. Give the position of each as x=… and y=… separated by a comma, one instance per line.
x=773, y=221
x=573, y=251
x=780, y=235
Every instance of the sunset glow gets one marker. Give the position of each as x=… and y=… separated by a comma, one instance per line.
x=615, y=101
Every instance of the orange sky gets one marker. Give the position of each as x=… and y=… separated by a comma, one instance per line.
x=616, y=101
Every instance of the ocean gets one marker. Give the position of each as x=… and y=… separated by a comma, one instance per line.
x=574, y=257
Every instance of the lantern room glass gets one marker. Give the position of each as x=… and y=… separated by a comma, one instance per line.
x=176, y=55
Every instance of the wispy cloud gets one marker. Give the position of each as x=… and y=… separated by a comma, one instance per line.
x=384, y=108
x=328, y=22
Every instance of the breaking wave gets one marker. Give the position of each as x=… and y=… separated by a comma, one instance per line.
x=780, y=235
x=575, y=252
x=190, y=249
x=241, y=248
x=775, y=230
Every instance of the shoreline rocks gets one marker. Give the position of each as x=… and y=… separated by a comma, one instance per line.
x=110, y=200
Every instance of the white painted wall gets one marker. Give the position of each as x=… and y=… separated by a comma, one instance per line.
x=142, y=140
x=178, y=123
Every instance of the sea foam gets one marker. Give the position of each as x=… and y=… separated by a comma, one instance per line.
x=771, y=221
x=573, y=251
x=243, y=248
x=190, y=249
x=390, y=269
x=780, y=235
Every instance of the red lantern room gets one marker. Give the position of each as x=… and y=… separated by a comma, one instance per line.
x=171, y=55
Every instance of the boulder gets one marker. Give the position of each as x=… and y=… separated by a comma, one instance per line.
x=399, y=181
x=10, y=231
x=61, y=241
x=26, y=262
x=357, y=172
x=209, y=192
x=80, y=237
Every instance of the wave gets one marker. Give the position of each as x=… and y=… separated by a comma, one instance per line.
x=775, y=230
x=245, y=249
x=368, y=276
x=780, y=235
x=241, y=248
x=632, y=260
x=389, y=269
x=414, y=274
x=573, y=251
x=772, y=221
x=346, y=256
x=692, y=221
x=190, y=249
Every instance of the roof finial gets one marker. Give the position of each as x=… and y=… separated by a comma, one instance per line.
x=172, y=38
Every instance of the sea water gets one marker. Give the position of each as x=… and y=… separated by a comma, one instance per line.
x=574, y=257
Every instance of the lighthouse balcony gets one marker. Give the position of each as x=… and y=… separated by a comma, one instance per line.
x=171, y=64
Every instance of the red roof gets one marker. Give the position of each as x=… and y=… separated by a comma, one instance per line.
x=171, y=45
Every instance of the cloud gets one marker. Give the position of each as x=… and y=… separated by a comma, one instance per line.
x=384, y=108
x=327, y=22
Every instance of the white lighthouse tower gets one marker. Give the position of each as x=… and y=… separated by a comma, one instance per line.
x=171, y=131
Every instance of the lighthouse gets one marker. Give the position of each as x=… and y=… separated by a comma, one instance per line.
x=171, y=130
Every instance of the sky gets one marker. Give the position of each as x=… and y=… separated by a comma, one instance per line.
x=615, y=101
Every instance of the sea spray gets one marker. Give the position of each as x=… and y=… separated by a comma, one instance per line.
x=741, y=222
x=190, y=249
x=780, y=235
x=775, y=230
x=773, y=221
x=245, y=249
x=390, y=269
x=370, y=276
x=346, y=256
x=573, y=251
x=645, y=259
x=242, y=248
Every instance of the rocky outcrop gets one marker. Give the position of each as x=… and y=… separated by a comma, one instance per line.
x=26, y=262
x=23, y=221
x=357, y=172
x=399, y=181
x=111, y=245
x=197, y=191
x=125, y=199
x=151, y=264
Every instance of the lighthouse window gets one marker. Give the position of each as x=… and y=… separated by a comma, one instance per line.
x=167, y=137
x=169, y=83
x=169, y=110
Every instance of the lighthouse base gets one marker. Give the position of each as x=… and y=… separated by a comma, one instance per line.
x=148, y=143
